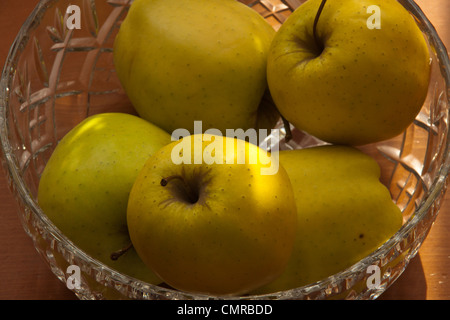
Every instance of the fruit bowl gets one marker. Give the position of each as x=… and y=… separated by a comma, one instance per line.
x=55, y=77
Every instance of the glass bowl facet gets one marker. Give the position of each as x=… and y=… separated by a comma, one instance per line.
x=54, y=77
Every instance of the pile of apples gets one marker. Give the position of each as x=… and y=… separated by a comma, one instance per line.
x=347, y=72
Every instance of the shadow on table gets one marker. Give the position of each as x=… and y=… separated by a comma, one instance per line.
x=411, y=285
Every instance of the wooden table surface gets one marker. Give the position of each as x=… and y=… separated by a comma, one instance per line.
x=23, y=275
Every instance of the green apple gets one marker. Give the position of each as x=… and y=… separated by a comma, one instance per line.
x=213, y=223
x=85, y=185
x=186, y=60
x=344, y=212
x=362, y=76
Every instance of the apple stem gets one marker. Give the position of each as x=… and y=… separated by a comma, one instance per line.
x=165, y=181
x=117, y=254
x=316, y=20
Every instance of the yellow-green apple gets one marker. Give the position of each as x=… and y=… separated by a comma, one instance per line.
x=186, y=60
x=360, y=76
x=213, y=223
x=85, y=185
x=344, y=212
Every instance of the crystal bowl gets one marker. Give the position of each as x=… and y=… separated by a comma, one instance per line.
x=55, y=77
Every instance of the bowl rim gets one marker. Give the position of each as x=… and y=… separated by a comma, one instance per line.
x=20, y=190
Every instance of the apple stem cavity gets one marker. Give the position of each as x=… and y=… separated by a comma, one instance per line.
x=316, y=20
x=117, y=254
x=188, y=191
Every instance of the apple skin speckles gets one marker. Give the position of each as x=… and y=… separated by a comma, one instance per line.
x=85, y=185
x=201, y=63
x=373, y=69
x=240, y=228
